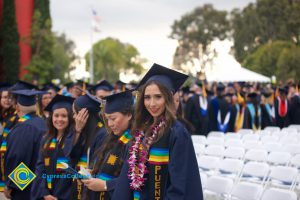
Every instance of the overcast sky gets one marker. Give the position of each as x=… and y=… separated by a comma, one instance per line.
x=142, y=23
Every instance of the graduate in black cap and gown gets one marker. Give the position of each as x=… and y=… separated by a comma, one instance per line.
x=294, y=114
x=253, y=112
x=196, y=109
x=281, y=106
x=23, y=142
x=108, y=159
x=102, y=89
x=267, y=109
x=221, y=114
x=89, y=134
x=53, y=152
x=161, y=158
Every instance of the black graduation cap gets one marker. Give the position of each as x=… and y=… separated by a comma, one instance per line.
x=230, y=84
x=88, y=101
x=186, y=90
x=283, y=90
x=118, y=102
x=22, y=85
x=220, y=87
x=266, y=93
x=69, y=85
x=60, y=101
x=103, y=85
x=167, y=77
x=4, y=86
x=27, y=97
x=49, y=86
x=252, y=95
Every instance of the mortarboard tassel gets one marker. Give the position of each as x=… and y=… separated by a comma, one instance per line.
x=204, y=90
x=38, y=111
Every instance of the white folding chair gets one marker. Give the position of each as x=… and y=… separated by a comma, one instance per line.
x=251, y=137
x=233, y=143
x=232, y=136
x=220, y=186
x=208, y=164
x=271, y=146
x=296, y=126
x=203, y=177
x=269, y=138
x=199, y=139
x=272, y=128
x=278, y=194
x=234, y=152
x=279, y=158
x=230, y=168
x=215, y=150
x=247, y=191
x=292, y=148
x=264, y=132
x=258, y=155
x=215, y=141
x=199, y=149
x=295, y=161
x=245, y=131
x=216, y=134
x=290, y=130
x=282, y=176
x=288, y=140
x=253, y=145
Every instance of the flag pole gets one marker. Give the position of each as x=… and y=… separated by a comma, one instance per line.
x=91, y=59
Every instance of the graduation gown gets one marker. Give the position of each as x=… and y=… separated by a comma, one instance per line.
x=60, y=187
x=294, y=111
x=220, y=104
x=252, y=117
x=183, y=178
x=197, y=116
x=23, y=144
x=281, y=121
x=266, y=116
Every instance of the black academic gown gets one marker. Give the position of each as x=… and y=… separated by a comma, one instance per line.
x=266, y=117
x=281, y=121
x=294, y=110
x=199, y=119
x=216, y=104
x=61, y=187
x=183, y=179
x=23, y=144
x=248, y=119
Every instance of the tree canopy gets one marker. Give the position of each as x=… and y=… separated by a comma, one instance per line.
x=111, y=57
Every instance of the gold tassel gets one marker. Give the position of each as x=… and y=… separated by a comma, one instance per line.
x=297, y=89
x=38, y=111
x=204, y=90
x=83, y=88
x=240, y=99
x=276, y=92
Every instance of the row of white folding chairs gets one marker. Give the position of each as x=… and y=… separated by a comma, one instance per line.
x=247, y=181
x=259, y=155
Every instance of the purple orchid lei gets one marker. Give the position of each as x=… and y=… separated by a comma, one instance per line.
x=138, y=156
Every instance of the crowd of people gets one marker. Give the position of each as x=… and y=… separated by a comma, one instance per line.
x=134, y=140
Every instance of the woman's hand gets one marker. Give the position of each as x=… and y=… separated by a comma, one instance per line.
x=95, y=184
x=81, y=119
x=50, y=197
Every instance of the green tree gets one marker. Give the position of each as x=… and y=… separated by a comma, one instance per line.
x=41, y=66
x=10, y=50
x=195, y=31
x=63, y=55
x=111, y=57
x=280, y=58
x=265, y=21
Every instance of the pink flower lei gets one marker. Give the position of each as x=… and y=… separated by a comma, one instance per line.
x=138, y=156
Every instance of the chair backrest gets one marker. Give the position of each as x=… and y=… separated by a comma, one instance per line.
x=289, y=130
x=229, y=165
x=245, y=131
x=278, y=194
x=253, y=145
x=264, y=132
x=292, y=148
x=271, y=146
x=247, y=191
x=233, y=143
x=286, y=175
x=272, y=128
x=269, y=138
x=215, y=141
x=251, y=137
x=296, y=126
x=216, y=134
x=219, y=185
x=289, y=140
x=234, y=152
x=255, y=170
x=259, y=155
x=232, y=136
x=199, y=139
x=295, y=161
x=215, y=150
x=279, y=158
x=199, y=149
x=208, y=162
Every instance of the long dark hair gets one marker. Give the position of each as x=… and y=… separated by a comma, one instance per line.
x=181, y=118
x=90, y=129
x=108, y=143
x=143, y=119
x=52, y=132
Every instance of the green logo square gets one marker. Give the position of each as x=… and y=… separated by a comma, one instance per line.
x=22, y=176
